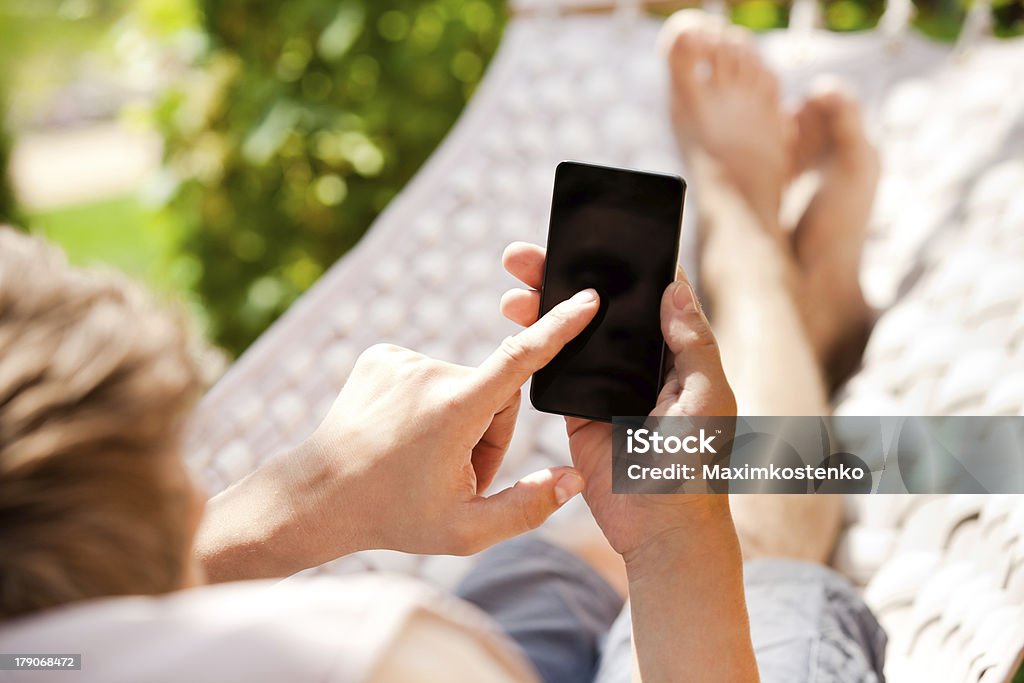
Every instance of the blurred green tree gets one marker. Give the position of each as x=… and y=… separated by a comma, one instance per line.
x=300, y=123
x=301, y=120
x=7, y=209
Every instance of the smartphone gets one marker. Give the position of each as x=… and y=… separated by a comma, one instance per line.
x=616, y=230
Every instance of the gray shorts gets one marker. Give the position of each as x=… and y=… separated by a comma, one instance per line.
x=808, y=624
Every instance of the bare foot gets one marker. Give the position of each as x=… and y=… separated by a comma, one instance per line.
x=725, y=111
x=738, y=147
x=829, y=238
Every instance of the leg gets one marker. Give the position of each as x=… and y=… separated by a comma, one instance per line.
x=829, y=237
x=736, y=144
x=549, y=601
x=749, y=273
x=807, y=624
x=741, y=151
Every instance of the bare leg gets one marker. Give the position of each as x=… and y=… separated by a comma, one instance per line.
x=829, y=237
x=738, y=149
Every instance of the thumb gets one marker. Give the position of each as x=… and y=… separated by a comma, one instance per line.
x=696, y=358
x=525, y=505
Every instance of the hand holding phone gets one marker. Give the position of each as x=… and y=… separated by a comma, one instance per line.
x=617, y=231
x=696, y=386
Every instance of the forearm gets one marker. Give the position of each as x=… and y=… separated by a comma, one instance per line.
x=689, y=613
x=254, y=529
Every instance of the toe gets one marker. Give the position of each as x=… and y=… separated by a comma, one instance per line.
x=763, y=80
x=738, y=63
x=690, y=22
x=688, y=54
x=841, y=123
x=726, y=62
x=749, y=68
x=828, y=123
x=743, y=61
x=809, y=146
x=767, y=82
x=835, y=103
x=688, y=40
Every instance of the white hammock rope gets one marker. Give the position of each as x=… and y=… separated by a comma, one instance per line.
x=894, y=23
x=944, y=263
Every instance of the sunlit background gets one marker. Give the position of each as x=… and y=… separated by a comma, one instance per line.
x=229, y=151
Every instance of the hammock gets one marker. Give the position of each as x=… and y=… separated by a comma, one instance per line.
x=944, y=261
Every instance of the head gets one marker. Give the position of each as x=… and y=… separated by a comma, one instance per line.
x=95, y=383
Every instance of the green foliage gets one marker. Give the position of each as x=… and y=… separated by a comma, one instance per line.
x=1008, y=16
x=117, y=232
x=852, y=15
x=8, y=213
x=302, y=122
x=939, y=19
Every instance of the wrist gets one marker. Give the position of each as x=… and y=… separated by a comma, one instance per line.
x=290, y=514
x=242, y=531
x=687, y=601
x=705, y=532
x=322, y=502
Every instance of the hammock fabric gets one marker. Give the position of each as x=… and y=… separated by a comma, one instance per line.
x=945, y=262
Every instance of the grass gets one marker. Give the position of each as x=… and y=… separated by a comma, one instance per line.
x=118, y=232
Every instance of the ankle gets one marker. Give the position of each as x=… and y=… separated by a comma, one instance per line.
x=754, y=268
x=722, y=191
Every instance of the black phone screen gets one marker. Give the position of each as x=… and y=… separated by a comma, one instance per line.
x=617, y=231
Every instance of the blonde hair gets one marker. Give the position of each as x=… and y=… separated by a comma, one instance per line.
x=95, y=381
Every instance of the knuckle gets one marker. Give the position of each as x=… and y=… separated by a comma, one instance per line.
x=531, y=517
x=560, y=315
x=450, y=402
x=515, y=350
x=698, y=330
x=385, y=348
x=400, y=364
x=427, y=368
x=465, y=540
x=377, y=353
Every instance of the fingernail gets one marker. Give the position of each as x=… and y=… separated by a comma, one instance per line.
x=567, y=486
x=587, y=296
x=684, y=298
